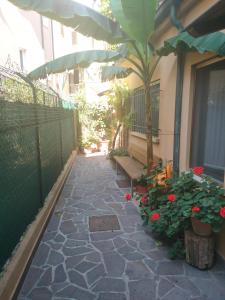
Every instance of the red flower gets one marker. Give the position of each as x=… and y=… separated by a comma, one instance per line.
x=196, y=209
x=198, y=170
x=222, y=212
x=171, y=197
x=127, y=197
x=144, y=200
x=155, y=217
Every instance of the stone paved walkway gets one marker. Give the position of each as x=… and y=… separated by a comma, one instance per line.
x=72, y=263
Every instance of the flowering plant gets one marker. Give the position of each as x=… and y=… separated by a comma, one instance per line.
x=169, y=210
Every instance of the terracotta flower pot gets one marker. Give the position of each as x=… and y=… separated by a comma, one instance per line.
x=201, y=228
x=141, y=189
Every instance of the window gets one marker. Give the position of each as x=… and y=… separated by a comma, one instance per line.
x=208, y=139
x=22, y=59
x=62, y=30
x=74, y=37
x=74, y=79
x=138, y=109
x=45, y=21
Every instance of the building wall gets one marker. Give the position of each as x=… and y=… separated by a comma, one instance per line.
x=166, y=73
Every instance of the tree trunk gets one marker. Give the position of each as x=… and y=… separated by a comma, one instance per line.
x=148, y=106
x=115, y=136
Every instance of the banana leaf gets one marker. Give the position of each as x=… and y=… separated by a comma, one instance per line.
x=112, y=72
x=137, y=17
x=78, y=16
x=68, y=62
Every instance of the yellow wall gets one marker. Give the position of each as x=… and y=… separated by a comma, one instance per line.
x=166, y=73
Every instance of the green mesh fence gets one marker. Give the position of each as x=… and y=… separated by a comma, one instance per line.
x=36, y=141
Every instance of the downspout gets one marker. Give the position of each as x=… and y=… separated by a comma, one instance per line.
x=178, y=111
x=179, y=89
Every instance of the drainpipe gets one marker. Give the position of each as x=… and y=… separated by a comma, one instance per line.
x=178, y=111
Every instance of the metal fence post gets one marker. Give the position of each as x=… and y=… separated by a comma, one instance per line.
x=38, y=143
x=37, y=136
x=61, y=138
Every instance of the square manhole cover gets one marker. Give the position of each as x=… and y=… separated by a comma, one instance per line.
x=123, y=183
x=103, y=223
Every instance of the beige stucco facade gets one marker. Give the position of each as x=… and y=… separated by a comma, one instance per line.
x=166, y=73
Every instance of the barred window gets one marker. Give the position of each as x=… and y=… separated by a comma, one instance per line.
x=138, y=109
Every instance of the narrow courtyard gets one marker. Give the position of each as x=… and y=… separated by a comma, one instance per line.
x=73, y=261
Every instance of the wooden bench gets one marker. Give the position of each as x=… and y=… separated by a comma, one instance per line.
x=132, y=168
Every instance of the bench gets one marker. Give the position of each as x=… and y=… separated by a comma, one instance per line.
x=132, y=168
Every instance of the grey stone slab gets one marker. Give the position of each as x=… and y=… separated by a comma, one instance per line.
x=79, y=236
x=73, y=292
x=126, y=249
x=137, y=270
x=55, y=258
x=76, y=251
x=102, y=236
x=31, y=279
x=119, y=242
x=93, y=257
x=41, y=255
x=185, y=284
x=60, y=274
x=46, y=278
x=109, y=285
x=176, y=294
x=133, y=256
x=76, y=278
x=95, y=274
x=42, y=293
x=54, y=222
x=170, y=268
x=59, y=238
x=111, y=296
x=114, y=263
x=71, y=262
x=67, y=227
x=74, y=243
x=104, y=246
x=84, y=266
x=164, y=287
x=144, y=289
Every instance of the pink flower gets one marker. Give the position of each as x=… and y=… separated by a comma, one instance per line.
x=196, y=209
x=198, y=170
x=171, y=197
x=127, y=197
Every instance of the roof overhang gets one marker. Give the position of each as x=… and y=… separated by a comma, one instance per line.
x=212, y=20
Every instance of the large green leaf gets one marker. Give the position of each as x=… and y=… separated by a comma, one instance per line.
x=68, y=62
x=80, y=17
x=137, y=17
x=112, y=72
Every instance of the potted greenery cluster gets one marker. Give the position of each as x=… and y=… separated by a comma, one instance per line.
x=174, y=205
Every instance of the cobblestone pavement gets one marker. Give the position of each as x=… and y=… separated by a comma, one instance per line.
x=73, y=263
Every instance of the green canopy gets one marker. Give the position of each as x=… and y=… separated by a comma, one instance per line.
x=78, y=16
x=68, y=62
x=214, y=42
x=112, y=72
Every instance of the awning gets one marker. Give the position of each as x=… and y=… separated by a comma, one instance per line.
x=214, y=42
